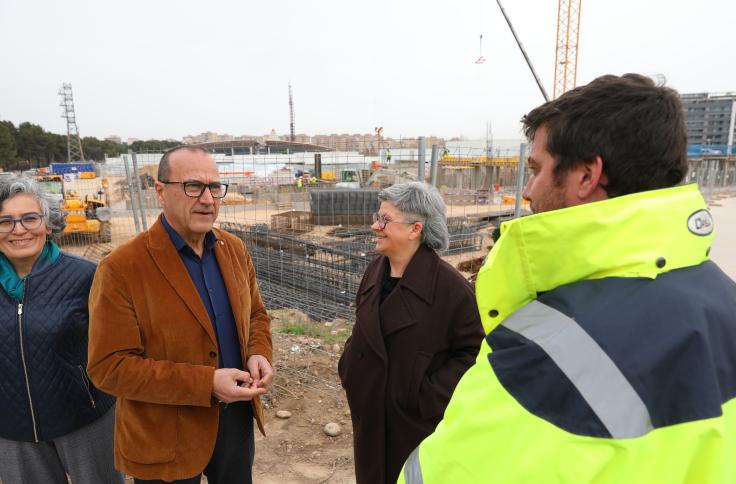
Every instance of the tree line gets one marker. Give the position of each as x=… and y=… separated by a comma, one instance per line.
x=29, y=146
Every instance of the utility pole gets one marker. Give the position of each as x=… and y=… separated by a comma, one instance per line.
x=291, y=114
x=73, y=141
x=379, y=130
x=489, y=140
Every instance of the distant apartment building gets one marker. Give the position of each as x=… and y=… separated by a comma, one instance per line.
x=362, y=143
x=207, y=137
x=195, y=138
x=298, y=138
x=248, y=138
x=711, y=119
x=345, y=141
x=114, y=139
x=370, y=143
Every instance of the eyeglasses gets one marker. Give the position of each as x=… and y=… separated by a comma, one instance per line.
x=382, y=221
x=195, y=189
x=29, y=221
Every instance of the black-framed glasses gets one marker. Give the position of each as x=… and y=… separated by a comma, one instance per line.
x=383, y=221
x=195, y=189
x=29, y=221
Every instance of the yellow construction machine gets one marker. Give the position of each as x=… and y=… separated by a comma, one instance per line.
x=89, y=217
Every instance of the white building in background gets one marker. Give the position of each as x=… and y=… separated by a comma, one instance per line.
x=257, y=165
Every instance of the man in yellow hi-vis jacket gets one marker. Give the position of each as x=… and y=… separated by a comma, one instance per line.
x=610, y=354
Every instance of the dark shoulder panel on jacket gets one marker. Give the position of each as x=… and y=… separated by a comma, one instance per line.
x=671, y=338
x=539, y=385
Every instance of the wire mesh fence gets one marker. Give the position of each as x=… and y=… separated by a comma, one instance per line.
x=714, y=175
x=305, y=211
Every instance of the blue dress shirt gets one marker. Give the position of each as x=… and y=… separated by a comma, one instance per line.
x=206, y=276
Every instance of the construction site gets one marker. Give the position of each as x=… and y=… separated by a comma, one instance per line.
x=307, y=226
x=311, y=243
x=304, y=212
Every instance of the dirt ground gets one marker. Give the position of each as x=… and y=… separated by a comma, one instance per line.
x=296, y=450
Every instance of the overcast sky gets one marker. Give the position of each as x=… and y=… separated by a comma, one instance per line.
x=165, y=69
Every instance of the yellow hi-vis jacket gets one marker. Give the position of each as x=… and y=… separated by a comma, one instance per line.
x=610, y=354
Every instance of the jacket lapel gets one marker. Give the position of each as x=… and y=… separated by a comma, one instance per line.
x=395, y=313
x=223, y=254
x=368, y=322
x=167, y=261
x=419, y=278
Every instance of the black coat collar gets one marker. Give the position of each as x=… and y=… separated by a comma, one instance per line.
x=420, y=275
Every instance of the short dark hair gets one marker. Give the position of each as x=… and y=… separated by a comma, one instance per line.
x=636, y=126
x=163, y=165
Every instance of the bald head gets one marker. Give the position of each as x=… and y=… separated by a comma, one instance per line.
x=164, y=166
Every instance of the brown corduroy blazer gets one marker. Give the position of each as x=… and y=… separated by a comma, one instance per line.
x=151, y=344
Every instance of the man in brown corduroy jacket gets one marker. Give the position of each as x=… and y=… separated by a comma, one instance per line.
x=179, y=333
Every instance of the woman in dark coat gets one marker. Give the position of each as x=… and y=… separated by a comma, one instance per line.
x=417, y=331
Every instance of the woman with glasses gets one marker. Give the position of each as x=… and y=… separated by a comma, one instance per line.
x=54, y=423
x=417, y=331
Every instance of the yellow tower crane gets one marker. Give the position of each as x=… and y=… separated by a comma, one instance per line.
x=566, y=54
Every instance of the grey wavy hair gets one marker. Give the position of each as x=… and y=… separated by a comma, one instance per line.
x=424, y=203
x=53, y=214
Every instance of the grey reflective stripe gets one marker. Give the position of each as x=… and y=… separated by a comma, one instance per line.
x=412, y=469
x=587, y=366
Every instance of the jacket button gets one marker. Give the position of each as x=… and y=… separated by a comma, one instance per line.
x=661, y=262
x=493, y=313
x=360, y=355
x=212, y=354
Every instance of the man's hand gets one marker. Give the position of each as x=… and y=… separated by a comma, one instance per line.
x=261, y=370
x=233, y=385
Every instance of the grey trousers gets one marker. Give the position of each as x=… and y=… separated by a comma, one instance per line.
x=86, y=455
